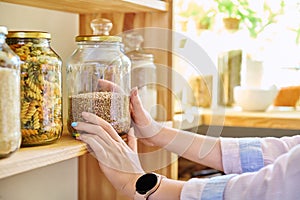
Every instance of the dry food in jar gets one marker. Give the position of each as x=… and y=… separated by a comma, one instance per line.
x=110, y=106
x=41, y=95
x=10, y=134
x=99, y=58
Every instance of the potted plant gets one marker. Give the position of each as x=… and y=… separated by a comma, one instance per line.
x=232, y=13
x=203, y=18
x=238, y=12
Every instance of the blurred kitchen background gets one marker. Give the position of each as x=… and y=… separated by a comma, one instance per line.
x=266, y=32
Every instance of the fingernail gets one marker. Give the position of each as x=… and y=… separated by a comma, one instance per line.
x=74, y=124
x=76, y=135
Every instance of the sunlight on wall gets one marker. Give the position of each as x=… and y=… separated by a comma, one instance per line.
x=276, y=46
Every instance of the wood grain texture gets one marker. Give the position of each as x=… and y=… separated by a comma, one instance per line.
x=268, y=119
x=96, y=6
x=93, y=185
x=30, y=158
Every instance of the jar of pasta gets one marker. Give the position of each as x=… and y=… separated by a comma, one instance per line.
x=98, y=79
x=10, y=131
x=41, y=96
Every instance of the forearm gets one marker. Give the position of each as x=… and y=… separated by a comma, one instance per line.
x=168, y=190
x=273, y=147
x=199, y=148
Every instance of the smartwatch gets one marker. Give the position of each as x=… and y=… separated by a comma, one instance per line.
x=146, y=185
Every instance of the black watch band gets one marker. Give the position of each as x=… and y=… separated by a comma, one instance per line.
x=146, y=185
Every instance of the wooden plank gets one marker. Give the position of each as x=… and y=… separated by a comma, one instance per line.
x=268, y=119
x=92, y=182
x=29, y=158
x=95, y=6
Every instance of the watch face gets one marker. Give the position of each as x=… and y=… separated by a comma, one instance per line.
x=146, y=183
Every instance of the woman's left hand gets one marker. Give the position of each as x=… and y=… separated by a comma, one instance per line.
x=118, y=161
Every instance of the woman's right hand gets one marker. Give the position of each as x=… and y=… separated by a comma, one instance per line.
x=145, y=128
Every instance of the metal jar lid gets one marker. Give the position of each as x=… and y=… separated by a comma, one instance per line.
x=28, y=34
x=98, y=38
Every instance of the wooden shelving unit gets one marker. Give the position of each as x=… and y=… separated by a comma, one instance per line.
x=125, y=15
x=237, y=118
x=269, y=119
x=96, y=6
x=31, y=158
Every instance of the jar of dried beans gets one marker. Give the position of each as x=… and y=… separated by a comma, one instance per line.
x=98, y=80
x=41, y=96
x=10, y=131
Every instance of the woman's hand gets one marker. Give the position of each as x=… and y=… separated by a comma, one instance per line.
x=145, y=128
x=118, y=161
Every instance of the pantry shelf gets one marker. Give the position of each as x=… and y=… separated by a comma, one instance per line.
x=269, y=119
x=29, y=158
x=235, y=117
x=96, y=6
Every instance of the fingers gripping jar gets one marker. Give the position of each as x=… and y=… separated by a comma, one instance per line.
x=98, y=81
x=10, y=131
x=41, y=96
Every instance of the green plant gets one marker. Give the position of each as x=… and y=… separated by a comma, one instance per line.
x=203, y=18
x=248, y=17
x=231, y=8
x=256, y=25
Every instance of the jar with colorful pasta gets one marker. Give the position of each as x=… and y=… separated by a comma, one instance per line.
x=41, y=87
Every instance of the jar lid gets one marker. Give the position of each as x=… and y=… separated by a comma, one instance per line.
x=3, y=30
x=141, y=56
x=98, y=38
x=28, y=34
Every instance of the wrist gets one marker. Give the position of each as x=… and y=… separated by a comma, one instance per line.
x=146, y=185
x=128, y=189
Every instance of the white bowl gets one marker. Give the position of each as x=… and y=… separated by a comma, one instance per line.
x=254, y=99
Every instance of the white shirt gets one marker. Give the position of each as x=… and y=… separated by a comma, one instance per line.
x=256, y=168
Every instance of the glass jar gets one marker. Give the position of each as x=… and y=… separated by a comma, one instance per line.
x=10, y=131
x=143, y=76
x=41, y=94
x=143, y=72
x=99, y=60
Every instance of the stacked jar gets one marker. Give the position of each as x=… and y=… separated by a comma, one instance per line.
x=10, y=132
x=41, y=96
x=98, y=79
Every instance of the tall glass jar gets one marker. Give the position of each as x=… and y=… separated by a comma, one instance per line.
x=143, y=72
x=41, y=94
x=143, y=76
x=10, y=131
x=98, y=81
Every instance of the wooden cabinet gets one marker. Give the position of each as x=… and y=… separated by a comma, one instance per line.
x=125, y=15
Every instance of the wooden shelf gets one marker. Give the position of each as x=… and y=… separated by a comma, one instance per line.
x=96, y=6
x=237, y=118
x=268, y=119
x=29, y=158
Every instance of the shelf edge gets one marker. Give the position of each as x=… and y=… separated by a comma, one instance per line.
x=31, y=158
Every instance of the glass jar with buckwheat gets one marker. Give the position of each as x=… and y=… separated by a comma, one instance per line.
x=98, y=78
